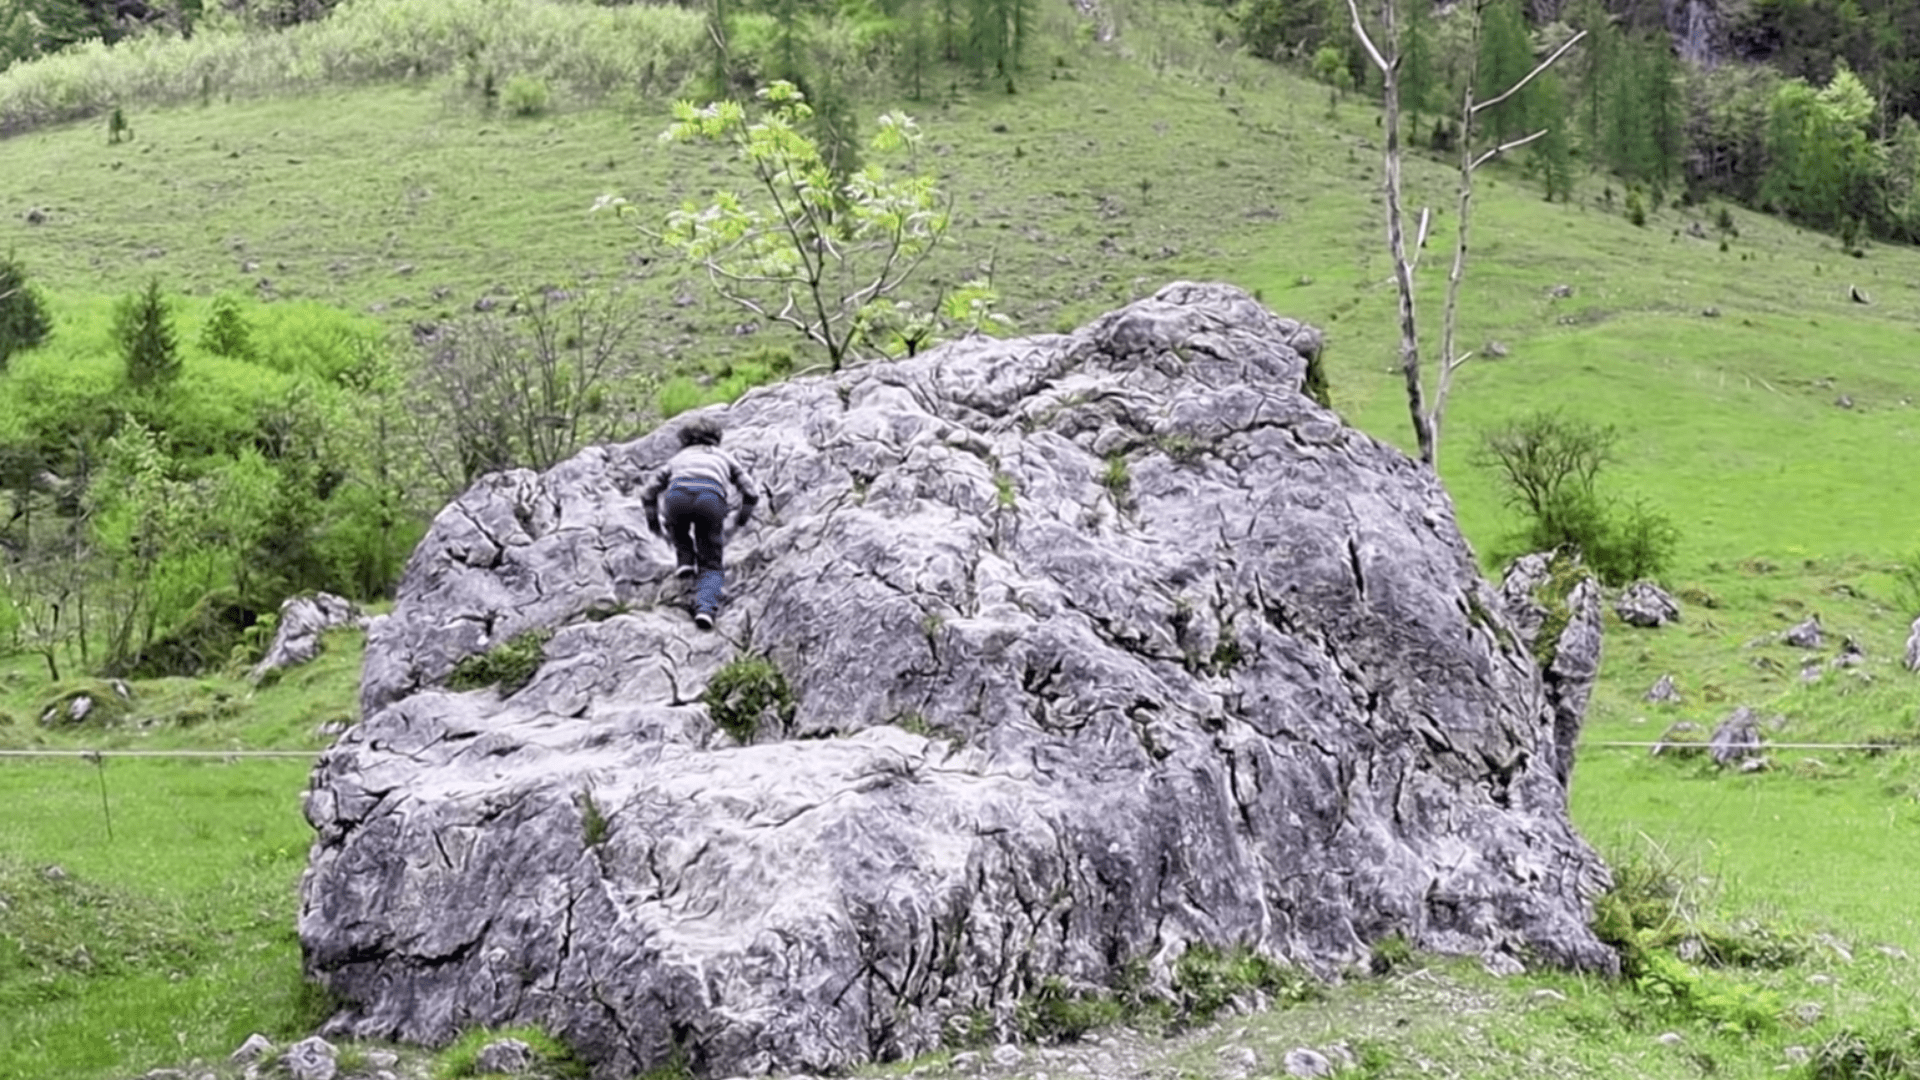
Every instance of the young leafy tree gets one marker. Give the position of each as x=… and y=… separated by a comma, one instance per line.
x=144, y=327
x=23, y=316
x=806, y=251
x=1823, y=167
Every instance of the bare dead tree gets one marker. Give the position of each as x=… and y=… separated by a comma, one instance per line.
x=528, y=386
x=1427, y=419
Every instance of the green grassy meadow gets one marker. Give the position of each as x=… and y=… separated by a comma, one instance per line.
x=1116, y=168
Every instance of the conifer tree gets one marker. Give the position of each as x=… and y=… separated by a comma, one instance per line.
x=791, y=42
x=1506, y=55
x=950, y=30
x=144, y=327
x=226, y=332
x=1552, y=152
x=23, y=318
x=916, y=53
x=1593, y=69
x=1417, y=79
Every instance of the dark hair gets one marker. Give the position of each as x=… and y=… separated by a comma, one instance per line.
x=703, y=431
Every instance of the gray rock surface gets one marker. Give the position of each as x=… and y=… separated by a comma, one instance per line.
x=1645, y=604
x=1574, y=658
x=1052, y=716
x=1736, y=738
x=296, y=636
x=1913, y=647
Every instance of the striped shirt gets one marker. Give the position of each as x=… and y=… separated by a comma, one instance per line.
x=708, y=464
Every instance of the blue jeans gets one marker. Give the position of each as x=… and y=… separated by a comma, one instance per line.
x=695, y=515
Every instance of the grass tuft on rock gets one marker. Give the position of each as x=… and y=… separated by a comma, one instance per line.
x=747, y=693
x=509, y=665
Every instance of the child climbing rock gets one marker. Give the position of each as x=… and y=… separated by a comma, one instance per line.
x=698, y=483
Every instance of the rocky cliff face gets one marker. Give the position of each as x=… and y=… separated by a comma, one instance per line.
x=1097, y=647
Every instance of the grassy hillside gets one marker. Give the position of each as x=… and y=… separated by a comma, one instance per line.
x=1116, y=167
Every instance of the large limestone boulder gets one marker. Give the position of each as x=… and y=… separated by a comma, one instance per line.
x=1098, y=647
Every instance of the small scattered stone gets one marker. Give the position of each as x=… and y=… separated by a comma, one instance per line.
x=1844, y=401
x=1663, y=691
x=164, y=1074
x=1307, y=1064
x=510, y=1056
x=1851, y=654
x=1805, y=635
x=1755, y=765
x=1560, y=292
x=1547, y=993
x=1821, y=979
x=382, y=1059
x=405, y=269
x=965, y=1059
x=1007, y=1055
x=1645, y=604
x=1797, y=1055
x=1496, y=350
x=311, y=1059
x=1669, y=1038
x=36, y=216
x=256, y=1047
x=1807, y=1013
x=1913, y=647
x=1710, y=312
x=56, y=872
x=1892, y=952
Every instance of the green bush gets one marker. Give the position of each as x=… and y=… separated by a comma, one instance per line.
x=1207, y=980
x=1055, y=1013
x=509, y=665
x=526, y=96
x=1549, y=464
x=203, y=639
x=747, y=693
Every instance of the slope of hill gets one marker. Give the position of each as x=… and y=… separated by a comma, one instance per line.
x=1117, y=167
